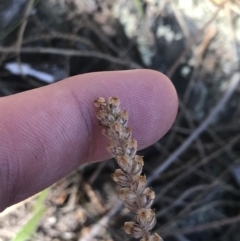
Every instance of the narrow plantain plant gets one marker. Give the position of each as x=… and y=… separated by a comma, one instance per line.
x=136, y=196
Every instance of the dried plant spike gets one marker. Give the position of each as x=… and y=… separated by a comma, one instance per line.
x=136, y=196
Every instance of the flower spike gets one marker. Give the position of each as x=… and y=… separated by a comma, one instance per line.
x=136, y=196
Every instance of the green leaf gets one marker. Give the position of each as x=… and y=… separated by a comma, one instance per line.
x=40, y=200
x=39, y=209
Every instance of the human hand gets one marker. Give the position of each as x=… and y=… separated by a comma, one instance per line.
x=47, y=132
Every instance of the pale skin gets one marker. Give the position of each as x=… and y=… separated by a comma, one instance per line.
x=48, y=132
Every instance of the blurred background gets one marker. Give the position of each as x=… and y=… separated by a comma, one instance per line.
x=194, y=169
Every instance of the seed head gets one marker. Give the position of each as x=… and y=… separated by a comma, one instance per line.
x=136, y=196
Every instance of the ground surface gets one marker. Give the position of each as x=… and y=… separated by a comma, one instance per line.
x=196, y=44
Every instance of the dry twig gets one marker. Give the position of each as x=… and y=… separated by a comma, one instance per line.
x=71, y=52
x=23, y=25
x=171, y=159
x=204, y=227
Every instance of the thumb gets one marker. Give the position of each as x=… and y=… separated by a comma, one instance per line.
x=48, y=132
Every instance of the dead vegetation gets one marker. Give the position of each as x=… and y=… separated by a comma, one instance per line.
x=195, y=169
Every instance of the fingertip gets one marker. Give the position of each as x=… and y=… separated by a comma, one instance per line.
x=163, y=103
x=54, y=129
x=149, y=97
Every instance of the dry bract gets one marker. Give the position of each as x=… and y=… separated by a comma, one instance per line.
x=136, y=196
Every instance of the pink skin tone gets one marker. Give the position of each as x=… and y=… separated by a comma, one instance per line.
x=48, y=132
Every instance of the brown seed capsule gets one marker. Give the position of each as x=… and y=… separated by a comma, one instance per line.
x=100, y=102
x=149, y=193
x=105, y=118
x=137, y=165
x=126, y=194
x=139, y=183
x=114, y=149
x=133, y=229
x=147, y=197
x=114, y=101
x=121, y=178
x=132, y=143
x=152, y=223
x=125, y=163
x=146, y=218
x=102, y=114
x=132, y=205
x=117, y=126
x=123, y=118
x=131, y=147
x=126, y=134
